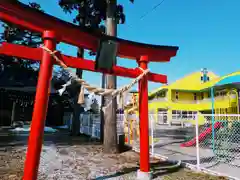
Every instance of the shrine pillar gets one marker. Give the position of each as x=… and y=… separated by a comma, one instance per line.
x=40, y=109
x=144, y=171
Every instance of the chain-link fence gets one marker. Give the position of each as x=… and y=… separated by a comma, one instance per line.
x=206, y=142
x=224, y=142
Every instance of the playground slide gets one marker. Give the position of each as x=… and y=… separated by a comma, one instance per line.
x=202, y=136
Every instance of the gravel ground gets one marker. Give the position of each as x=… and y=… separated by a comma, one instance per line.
x=81, y=161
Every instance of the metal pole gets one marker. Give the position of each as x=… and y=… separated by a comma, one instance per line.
x=88, y=124
x=13, y=112
x=144, y=125
x=197, y=143
x=213, y=133
x=40, y=109
x=129, y=132
x=152, y=131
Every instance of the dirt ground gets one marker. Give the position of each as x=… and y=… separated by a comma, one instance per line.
x=79, y=159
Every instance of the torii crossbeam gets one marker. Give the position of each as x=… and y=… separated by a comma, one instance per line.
x=55, y=30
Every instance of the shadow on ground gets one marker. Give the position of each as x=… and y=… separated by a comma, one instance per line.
x=62, y=138
x=159, y=169
x=59, y=138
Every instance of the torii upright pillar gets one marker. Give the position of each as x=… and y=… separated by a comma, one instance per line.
x=40, y=109
x=144, y=171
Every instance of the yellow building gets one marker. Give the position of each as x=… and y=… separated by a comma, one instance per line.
x=192, y=95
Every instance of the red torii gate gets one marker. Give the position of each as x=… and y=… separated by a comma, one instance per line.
x=55, y=30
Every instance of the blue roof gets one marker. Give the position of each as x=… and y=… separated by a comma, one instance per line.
x=235, y=79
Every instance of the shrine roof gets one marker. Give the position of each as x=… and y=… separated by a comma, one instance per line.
x=23, y=16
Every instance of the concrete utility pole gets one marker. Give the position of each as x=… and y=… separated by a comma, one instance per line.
x=110, y=118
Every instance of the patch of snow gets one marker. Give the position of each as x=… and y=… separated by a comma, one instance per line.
x=18, y=129
x=27, y=129
x=62, y=127
x=49, y=129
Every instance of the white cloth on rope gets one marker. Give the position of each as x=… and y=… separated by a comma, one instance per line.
x=64, y=87
x=89, y=101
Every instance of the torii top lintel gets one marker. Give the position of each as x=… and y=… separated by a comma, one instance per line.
x=34, y=20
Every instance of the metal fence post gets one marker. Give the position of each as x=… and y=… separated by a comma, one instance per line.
x=152, y=145
x=93, y=130
x=197, y=143
x=133, y=133
x=88, y=119
x=128, y=121
x=70, y=122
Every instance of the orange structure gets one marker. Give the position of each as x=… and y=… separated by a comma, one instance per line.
x=54, y=31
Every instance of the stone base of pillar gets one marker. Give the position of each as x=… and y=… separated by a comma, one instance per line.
x=144, y=175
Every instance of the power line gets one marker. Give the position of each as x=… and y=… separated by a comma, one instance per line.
x=148, y=12
x=151, y=10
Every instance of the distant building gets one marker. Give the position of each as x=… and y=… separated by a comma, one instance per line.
x=17, y=95
x=191, y=95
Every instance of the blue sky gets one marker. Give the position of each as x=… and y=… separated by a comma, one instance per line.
x=207, y=33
